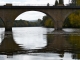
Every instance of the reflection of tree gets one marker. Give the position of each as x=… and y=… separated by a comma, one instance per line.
x=74, y=41
x=9, y=46
x=60, y=44
x=56, y=43
x=76, y=56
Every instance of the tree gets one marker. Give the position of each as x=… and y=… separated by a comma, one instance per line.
x=48, y=4
x=74, y=19
x=78, y=2
x=47, y=22
x=60, y=1
x=56, y=3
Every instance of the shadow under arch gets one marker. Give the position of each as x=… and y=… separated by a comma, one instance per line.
x=2, y=26
x=70, y=21
x=42, y=12
x=2, y=23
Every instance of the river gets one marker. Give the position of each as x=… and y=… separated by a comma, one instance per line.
x=39, y=43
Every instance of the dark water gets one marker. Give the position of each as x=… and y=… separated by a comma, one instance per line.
x=37, y=43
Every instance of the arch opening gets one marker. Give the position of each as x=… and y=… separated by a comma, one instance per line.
x=72, y=20
x=34, y=17
x=32, y=33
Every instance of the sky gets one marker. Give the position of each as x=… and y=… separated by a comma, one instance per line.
x=27, y=2
x=29, y=15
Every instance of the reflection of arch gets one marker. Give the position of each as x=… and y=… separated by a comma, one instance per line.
x=56, y=43
x=9, y=46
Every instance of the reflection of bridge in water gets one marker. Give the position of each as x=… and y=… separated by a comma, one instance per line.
x=56, y=43
x=59, y=43
x=57, y=13
x=8, y=46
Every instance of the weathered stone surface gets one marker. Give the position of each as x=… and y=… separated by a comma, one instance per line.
x=57, y=13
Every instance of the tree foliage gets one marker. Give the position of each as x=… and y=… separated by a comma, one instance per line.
x=74, y=41
x=47, y=22
x=23, y=23
x=73, y=20
x=60, y=1
x=56, y=3
x=78, y=2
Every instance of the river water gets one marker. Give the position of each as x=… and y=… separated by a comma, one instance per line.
x=39, y=43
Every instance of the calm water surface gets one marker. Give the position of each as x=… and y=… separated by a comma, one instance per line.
x=38, y=43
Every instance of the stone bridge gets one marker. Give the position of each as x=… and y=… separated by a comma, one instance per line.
x=57, y=13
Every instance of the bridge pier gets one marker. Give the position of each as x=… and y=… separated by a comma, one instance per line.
x=8, y=29
x=59, y=16
x=58, y=25
x=8, y=25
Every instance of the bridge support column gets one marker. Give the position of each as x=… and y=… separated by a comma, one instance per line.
x=8, y=25
x=58, y=16
x=58, y=25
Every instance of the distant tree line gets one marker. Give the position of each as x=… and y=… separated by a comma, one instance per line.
x=47, y=22
x=24, y=23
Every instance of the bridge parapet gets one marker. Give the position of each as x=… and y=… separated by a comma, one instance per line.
x=8, y=4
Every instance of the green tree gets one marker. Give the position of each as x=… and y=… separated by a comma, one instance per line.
x=47, y=22
x=48, y=4
x=78, y=2
x=67, y=23
x=73, y=20
x=60, y=1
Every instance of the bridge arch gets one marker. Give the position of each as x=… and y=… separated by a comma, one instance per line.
x=41, y=12
x=67, y=22
x=72, y=11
